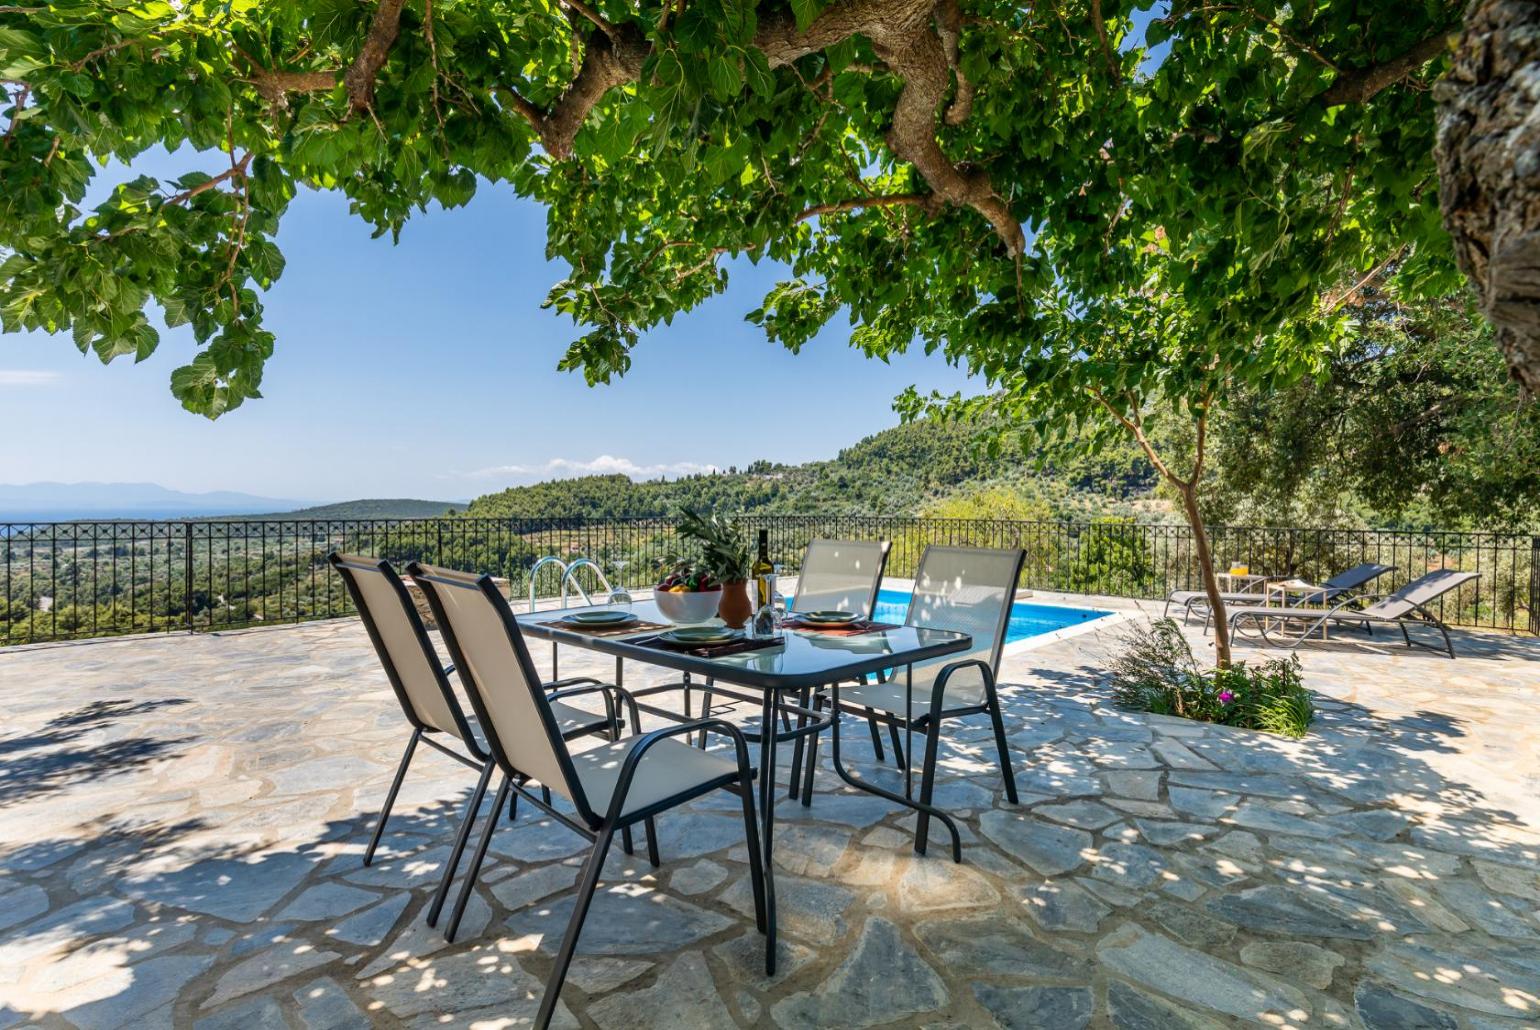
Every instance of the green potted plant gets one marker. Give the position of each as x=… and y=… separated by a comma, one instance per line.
x=724, y=550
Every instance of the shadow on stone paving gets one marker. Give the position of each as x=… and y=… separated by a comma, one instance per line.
x=61, y=753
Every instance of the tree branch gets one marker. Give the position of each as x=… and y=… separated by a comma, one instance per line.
x=274, y=86
x=1138, y=433
x=917, y=57
x=1101, y=34
x=361, y=74
x=1359, y=85
x=592, y=15
x=905, y=38
x=237, y=170
x=949, y=29
x=19, y=101
x=923, y=200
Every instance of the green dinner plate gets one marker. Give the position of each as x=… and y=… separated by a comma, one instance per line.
x=830, y=618
x=702, y=635
x=601, y=618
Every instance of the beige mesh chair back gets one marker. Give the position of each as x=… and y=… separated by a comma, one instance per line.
x=842, y=575
x=504, y=689
x=967, y=590
x=405, y=651
x=422, y=689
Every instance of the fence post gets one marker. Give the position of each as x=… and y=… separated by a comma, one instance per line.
x=1534, y=585
x=187, y=574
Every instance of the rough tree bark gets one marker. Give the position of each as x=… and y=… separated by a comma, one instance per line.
x=1488, y=153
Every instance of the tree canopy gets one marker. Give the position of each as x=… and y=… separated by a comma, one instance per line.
x=965, y=173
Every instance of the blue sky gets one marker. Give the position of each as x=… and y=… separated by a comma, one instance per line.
x=427, y=369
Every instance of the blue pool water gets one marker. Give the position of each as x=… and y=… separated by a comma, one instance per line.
x=1027, y=620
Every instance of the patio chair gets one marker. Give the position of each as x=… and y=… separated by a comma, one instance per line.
x=967, y=590
x=430, y=705
x=1403, y=608
x=842, y=575
x=611, y=787
x=1333, y=590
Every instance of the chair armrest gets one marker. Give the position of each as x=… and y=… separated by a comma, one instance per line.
x=648, y=740
x=938, y=688
x=570, y=681
x=613, y=696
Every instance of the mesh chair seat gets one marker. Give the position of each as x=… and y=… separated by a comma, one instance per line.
x=572, y=722
x=669, y=769
x=964, y=689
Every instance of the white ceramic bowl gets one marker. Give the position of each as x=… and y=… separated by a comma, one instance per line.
x=688, y=609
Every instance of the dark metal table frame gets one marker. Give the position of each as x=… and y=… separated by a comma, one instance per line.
x=769, y=688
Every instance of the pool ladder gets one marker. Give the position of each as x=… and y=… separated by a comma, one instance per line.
x=569, y=580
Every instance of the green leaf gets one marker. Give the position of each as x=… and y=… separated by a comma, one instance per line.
x=805, y=11
x=726, y=79
x=756, y=69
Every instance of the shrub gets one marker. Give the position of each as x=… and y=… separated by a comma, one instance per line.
x=1156, y=672
x=1112, y=556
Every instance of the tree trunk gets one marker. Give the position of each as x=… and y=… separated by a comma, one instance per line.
x=1216, y=601
x=1488, y=154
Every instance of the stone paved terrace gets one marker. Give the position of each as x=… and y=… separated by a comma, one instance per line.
x=181, y=822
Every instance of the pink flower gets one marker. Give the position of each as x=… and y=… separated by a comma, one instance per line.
x=1225, y=697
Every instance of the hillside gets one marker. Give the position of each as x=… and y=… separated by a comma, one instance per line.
x=371, y=508
x=899, y=471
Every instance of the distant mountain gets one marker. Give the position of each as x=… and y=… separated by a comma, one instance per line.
x=375, y=508
x=50, y=502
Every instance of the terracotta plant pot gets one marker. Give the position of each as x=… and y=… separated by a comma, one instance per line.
x=735, y=608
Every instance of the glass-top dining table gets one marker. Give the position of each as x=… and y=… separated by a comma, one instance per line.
x=781, y=679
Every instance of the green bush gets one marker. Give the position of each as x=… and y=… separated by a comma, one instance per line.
x=1156, y=672
x=1112, y=556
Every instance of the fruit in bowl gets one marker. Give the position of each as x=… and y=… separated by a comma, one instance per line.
x=687, y=595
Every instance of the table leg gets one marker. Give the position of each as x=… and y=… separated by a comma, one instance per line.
x=909, y=730
x=767, y=801
x=797, y=750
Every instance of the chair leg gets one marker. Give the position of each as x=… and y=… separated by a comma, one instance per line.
x=705, y=712
x=1006, y=773
x=751, y=837
x=898, y=747
x=626, y=843
x=390, y=799
x=476, y=859
x=652, y=842
x=871, y=724
x=587, y=884
x=927, y=784
x=461, y=837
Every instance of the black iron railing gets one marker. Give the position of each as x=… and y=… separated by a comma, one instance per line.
x=72, y=580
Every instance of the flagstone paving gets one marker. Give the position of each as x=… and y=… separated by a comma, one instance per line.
x=182, y=821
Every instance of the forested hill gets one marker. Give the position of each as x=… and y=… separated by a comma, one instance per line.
x=895, y=472
x=370, y=508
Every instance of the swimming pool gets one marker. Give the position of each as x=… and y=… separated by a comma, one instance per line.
x=1027, y=620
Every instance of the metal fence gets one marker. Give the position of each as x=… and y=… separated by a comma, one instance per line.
x=72, y=580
